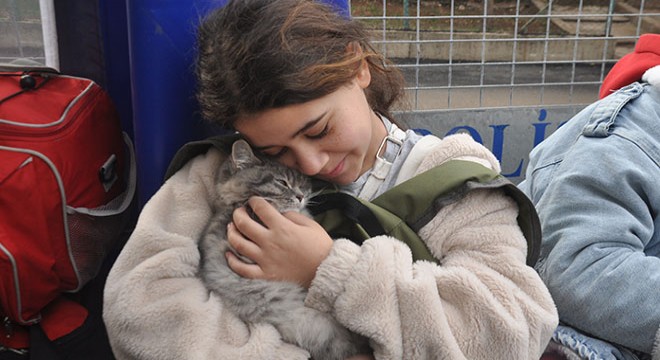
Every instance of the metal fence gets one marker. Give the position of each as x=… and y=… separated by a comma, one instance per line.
x=455, y=54
x=459, y=54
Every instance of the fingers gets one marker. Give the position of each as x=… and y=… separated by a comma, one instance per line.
x=247, y=226
x=241, y=245
x=250, y=271
x=270, y=218
x=361, y=357
x=264, y=211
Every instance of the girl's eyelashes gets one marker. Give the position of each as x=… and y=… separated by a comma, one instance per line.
x=321, y=134
x=277, y=154
x=325, y=131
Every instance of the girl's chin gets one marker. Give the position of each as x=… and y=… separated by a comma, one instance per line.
x=341, y=179
x=345, y=179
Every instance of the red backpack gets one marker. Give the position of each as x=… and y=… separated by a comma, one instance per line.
x=67, y=183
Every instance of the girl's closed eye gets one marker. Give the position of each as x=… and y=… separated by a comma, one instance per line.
x=275, y=153
x=320, y=134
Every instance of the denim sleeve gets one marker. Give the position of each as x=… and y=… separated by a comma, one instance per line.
x=600, y=256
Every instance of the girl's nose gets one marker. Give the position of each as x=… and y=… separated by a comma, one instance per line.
x=310, y=162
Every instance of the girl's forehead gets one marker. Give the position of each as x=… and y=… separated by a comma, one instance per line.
x=276, y=117
x=284, y=121
x=270, y=127
x=279, y=126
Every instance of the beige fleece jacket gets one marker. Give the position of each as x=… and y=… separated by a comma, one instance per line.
x=482, y=302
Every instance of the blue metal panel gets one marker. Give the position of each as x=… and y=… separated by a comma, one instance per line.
x=341, y=6
x=114, y=30
x=162, y=54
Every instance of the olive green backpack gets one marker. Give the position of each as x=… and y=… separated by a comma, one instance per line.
x=402, y=210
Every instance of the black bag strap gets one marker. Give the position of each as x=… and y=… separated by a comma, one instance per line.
x=41, y=347
x=350, y=207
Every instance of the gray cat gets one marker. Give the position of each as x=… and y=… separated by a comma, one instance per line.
x=279, y=303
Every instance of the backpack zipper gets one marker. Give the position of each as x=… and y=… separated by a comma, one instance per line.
x=19, y=129
x=7, y=325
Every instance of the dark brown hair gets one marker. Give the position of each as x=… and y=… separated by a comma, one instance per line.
x=255, y=55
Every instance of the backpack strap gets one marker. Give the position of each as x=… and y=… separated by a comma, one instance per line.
x=41, y=348
x=407, y=207
x=352, y=208
x=419, y=199
x=346, y=216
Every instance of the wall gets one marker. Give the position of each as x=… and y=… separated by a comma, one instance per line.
x=509, y=133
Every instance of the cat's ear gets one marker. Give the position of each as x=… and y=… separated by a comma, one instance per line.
x=242, y=156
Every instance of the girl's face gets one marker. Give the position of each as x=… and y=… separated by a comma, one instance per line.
x=334, y=138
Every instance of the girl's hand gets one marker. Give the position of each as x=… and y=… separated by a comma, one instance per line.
x=289, y=247
x=361, y=357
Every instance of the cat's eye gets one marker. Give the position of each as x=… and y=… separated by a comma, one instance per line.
x=282, y=182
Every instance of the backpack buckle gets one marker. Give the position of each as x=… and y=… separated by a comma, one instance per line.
x=395, y=137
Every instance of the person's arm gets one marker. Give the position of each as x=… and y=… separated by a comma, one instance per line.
x=600, y=216
x=156, y=306
x=481, y=301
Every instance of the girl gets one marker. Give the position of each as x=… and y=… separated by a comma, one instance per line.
x=303, y=85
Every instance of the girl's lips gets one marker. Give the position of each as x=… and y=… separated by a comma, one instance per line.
x=336, y=171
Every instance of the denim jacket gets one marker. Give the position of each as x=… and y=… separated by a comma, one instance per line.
x=596, y=185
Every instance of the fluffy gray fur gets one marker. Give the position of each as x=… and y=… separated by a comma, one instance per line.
x=279, y=303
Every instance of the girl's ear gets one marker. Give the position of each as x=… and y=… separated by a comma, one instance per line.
x=363, y=76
